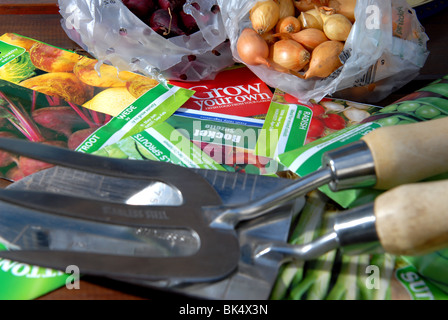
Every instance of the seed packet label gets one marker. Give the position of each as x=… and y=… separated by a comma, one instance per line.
x=21, y=281
x=9, y=52
x=161, y=142
x=219, y=129
x=155, y=106
x=285, y=129
x=236, y=91
x=308, y=158
x=418, y=286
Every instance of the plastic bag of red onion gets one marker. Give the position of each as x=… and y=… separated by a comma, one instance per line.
x=164, y=39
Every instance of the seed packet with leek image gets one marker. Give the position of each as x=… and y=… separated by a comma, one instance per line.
x=333, y=275
x=418, y=282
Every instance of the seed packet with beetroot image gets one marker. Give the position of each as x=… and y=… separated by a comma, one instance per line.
x=235, y=91
x=32, y=115
x=98, y=93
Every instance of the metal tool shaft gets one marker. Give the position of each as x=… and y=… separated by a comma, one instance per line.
x=353, y=231
x=345, y=167
x=230, y=216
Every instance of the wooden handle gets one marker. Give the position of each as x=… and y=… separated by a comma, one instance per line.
x=413, y=219
x=409, y=153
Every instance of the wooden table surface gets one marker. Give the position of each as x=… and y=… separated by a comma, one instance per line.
x=39, y=19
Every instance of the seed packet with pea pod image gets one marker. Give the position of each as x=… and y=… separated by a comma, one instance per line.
x=430, y=102
x=423, y=277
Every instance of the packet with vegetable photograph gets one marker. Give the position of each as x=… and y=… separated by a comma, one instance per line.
x=154, y=106
x=290, y=124
x=425, y=104
x=229, y=140
x=161, y=142
x=63, y=74
x=134, y=101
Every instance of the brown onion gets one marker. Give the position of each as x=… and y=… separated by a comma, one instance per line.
x=252, y=48
x=344, y=7
x=289, y=54
x=264, y=16
x=325, y=59
x=269, y=37
x=305, y=5
x=288, y=24
x=336, y=26
x=308, y=20
x=286, y=8
x=309, y=38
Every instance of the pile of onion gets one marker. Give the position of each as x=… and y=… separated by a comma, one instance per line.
x=166, y=17
x=304, y=38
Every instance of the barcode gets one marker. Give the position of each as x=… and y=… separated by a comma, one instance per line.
x=345, y=54
x=368, y=77
x=108, y=2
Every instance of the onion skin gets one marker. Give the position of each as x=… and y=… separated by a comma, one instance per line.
x=264, y=15
x=165, y=23
x=344, y=7
x=269, y=37
x=286, y=8
x=142, y=9
x=310, y=38
x=288, y=24
x=289, y=54
x=305, y=5
x=174, y=5
x=325, y=59
x=336, y=26
x=252, y=48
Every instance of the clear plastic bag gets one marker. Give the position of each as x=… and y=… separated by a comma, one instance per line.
x=376, y=60
x=111, y=33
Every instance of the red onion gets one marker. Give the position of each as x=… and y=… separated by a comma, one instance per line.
x=189, y=23
x=165, y=23
x=174, y=5
x=141, y=8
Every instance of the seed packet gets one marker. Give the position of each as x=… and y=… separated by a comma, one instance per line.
x=154, y=106
x=229, y=140
x=290, y=124
x=160, y=142
x=427, y=103
x=63, y=74
x=21, y=281
x=419, y=281
x=234, y=91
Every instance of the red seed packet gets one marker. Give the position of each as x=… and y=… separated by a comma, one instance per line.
x=236, y=91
